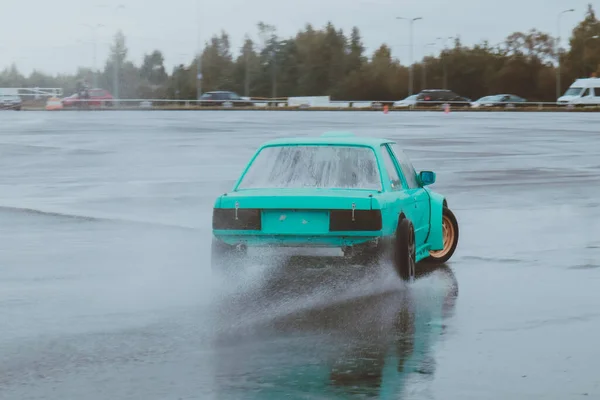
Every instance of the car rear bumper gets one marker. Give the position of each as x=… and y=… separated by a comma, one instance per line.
x=298, y=227
x=330, y=240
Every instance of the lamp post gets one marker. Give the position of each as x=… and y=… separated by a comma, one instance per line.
x=117, y=66
x=199, y=61
x=558, y=49
x=94, y=28
x=411, y=21
x=424, y=83
x=445, y=41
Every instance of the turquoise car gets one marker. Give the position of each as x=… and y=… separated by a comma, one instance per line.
x=359, y=194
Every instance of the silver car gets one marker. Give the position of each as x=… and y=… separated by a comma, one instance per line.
x=10, y=102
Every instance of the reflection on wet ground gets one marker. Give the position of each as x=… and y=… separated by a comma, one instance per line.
x=106, y=289
x=338, y=338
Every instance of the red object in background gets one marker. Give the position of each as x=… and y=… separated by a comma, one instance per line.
x=98, y=97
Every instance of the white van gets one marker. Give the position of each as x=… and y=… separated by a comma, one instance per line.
x=584, y=91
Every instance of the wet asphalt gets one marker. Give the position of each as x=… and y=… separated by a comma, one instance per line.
x=106, y=290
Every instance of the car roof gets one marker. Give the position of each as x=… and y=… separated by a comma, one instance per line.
x=333, y=138
x=586, y=82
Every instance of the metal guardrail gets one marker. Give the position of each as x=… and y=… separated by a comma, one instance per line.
x=334, y=104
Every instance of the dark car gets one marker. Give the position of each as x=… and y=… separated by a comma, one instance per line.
x=224, y=99
x=438, y=97
x=10, y=102
x=500, y=100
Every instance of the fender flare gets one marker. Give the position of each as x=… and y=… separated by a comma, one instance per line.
x=438, y=202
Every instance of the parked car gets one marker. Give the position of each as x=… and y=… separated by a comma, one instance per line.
x=224, y=99
x=499, y=100
x=340, y=191
x=407, y=102
x=438, y=97
x=10, y=102
x=582, y=92
x=97, y=98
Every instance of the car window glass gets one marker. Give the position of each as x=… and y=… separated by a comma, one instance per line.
x=391, y=169
x=316, y=166
x=586, y=92
x=406, y=166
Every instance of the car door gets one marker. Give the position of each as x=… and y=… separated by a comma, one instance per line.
x=595, y=99
x=396, y=196
x=585, y=97
x=418, y=193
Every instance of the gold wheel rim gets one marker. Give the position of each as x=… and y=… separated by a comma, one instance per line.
x=448, y=238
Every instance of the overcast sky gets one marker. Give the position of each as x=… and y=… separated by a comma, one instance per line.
x=49, y=34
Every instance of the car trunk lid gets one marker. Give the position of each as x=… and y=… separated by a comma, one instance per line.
x=299, y=199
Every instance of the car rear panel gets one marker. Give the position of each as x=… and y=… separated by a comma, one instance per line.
x=296, y=217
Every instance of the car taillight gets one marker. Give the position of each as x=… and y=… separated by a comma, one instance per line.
x=247, y=219
x=355, y=220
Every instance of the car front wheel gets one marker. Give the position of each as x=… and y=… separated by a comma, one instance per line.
x=450, y=238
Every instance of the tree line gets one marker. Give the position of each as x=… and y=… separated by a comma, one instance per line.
x=328, y=61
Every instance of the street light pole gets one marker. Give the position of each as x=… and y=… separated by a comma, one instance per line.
x=410, y=33
x=558, y=50
x=247, y=69
x=424, y=83
x=94, y=40
x=445, y=40
x=199, y=61
x=117, y=66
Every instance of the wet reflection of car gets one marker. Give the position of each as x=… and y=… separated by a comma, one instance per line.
x=370, y=345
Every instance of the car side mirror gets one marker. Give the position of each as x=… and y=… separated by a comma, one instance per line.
x=427, y=177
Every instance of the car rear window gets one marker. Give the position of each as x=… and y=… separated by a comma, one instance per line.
x=313, y=166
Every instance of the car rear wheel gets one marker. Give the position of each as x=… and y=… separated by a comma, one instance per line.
x=226, y=257
x=404, y=258
x=450, y=238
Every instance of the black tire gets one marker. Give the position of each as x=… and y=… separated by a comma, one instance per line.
x=442, y=256
x=404, y=258
x=225, y=257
